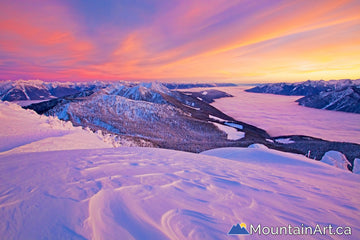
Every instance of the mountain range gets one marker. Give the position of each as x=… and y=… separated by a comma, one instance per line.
x=21, y=90
x=39, y=90
x=149, y=111
x=337, y=95
x=150, y=114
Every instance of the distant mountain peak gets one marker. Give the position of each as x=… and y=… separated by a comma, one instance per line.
x=149, y=92
x=156, y=86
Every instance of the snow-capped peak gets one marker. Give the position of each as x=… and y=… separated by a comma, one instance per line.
x=149, y=92
x=156, y=86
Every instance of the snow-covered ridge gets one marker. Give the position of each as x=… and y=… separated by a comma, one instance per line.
x=137, y=111
x=150, y=92
x=26, y=131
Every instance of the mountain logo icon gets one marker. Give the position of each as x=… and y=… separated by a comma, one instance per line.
x=238, y=229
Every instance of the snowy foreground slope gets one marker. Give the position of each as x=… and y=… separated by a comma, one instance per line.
x=148, y=193
x=29, y=132
x=132, y=193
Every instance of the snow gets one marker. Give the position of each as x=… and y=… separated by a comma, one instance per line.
x=281, y=115
x=232, y=133
x=195, y=108
x=133, y=193
x=356, y=166
x=25, y=131
x=156, y=86
x=148, y=193
x=258, y=146
x=235, y=125
x=336, y=159
x=216, y=118
x=204, y=93
x=40, y=87
x=284, y=140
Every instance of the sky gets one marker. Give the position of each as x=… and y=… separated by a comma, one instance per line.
x=180, y=41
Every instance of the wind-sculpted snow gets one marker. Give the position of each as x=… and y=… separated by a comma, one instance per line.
x=132, y=193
